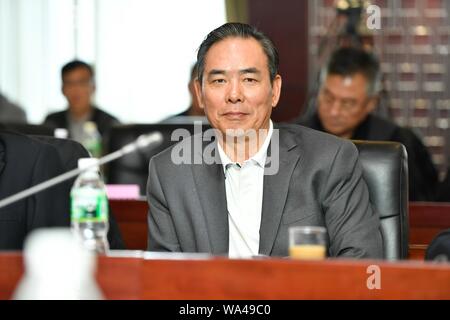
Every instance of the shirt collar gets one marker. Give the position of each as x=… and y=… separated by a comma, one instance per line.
x=88, y=116
x=259, y=157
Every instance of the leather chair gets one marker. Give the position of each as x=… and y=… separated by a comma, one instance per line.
x=30, y=129
x=69, y=151
x=439, y=248
x=133, y=168
x=385, y=170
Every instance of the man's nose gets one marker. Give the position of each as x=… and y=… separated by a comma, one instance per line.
x=235, y=92
x=335, y=108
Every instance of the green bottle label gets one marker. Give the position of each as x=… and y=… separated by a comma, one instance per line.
x=94, y=147
x=89, y=205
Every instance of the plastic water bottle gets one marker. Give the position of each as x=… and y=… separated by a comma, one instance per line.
x=92, y=140
x=89, y=207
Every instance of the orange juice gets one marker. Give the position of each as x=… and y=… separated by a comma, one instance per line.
x=307, y=252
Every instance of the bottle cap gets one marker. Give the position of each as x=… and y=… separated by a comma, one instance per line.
x=61, y=133
x=92, y=163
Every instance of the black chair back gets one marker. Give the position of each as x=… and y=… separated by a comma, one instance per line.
x=439, y=248
x=30, y=129
x=69, y=150
x=385, y=170
x=133, y=168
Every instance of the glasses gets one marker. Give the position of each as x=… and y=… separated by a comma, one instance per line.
x=346, y=105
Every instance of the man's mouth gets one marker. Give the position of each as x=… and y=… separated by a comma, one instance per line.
x=235, y=115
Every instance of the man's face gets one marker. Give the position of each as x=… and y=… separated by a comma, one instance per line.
x=78, y=89
x=344, y=104
x=236, y=91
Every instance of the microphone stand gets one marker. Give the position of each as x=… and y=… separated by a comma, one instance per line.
x=142, y=142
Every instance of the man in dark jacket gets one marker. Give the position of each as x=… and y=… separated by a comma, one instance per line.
x=78, y=88
x=25, y=162
x=348, y=94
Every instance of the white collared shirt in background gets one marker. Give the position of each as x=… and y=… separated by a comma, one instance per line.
x=244, y=192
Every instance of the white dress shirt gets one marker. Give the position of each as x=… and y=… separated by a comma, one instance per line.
x=244, y=192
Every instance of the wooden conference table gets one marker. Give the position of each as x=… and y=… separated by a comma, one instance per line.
x=138, y=277
x=221, y=278
x=426, y=221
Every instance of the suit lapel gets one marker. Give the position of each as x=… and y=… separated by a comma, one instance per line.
x=210, y=186
x=275, y=191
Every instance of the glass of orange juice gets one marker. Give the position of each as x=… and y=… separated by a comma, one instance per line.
x=307, y=243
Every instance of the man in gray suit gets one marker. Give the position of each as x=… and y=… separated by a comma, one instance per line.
x=239, y=194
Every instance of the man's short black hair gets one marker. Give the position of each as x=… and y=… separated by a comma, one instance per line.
x=349, y=61
x=75, y=64
x=239, y=30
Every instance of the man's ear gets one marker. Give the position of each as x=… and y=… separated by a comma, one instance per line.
x=198, y=93
x=276, y=90
x=63, y=90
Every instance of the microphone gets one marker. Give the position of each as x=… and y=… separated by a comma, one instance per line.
x=143, y=141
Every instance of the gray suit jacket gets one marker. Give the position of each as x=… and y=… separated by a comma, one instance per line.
x=319, y=183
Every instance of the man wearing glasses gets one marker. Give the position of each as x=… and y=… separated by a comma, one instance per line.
x=78, y=87
x=350, y=84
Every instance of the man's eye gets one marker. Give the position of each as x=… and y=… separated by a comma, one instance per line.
x=218, y=81
x=328, y=98
x=250, y=80
x=348, y=104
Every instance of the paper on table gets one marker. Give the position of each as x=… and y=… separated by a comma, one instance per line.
x=122, y=191
x=149, y=255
